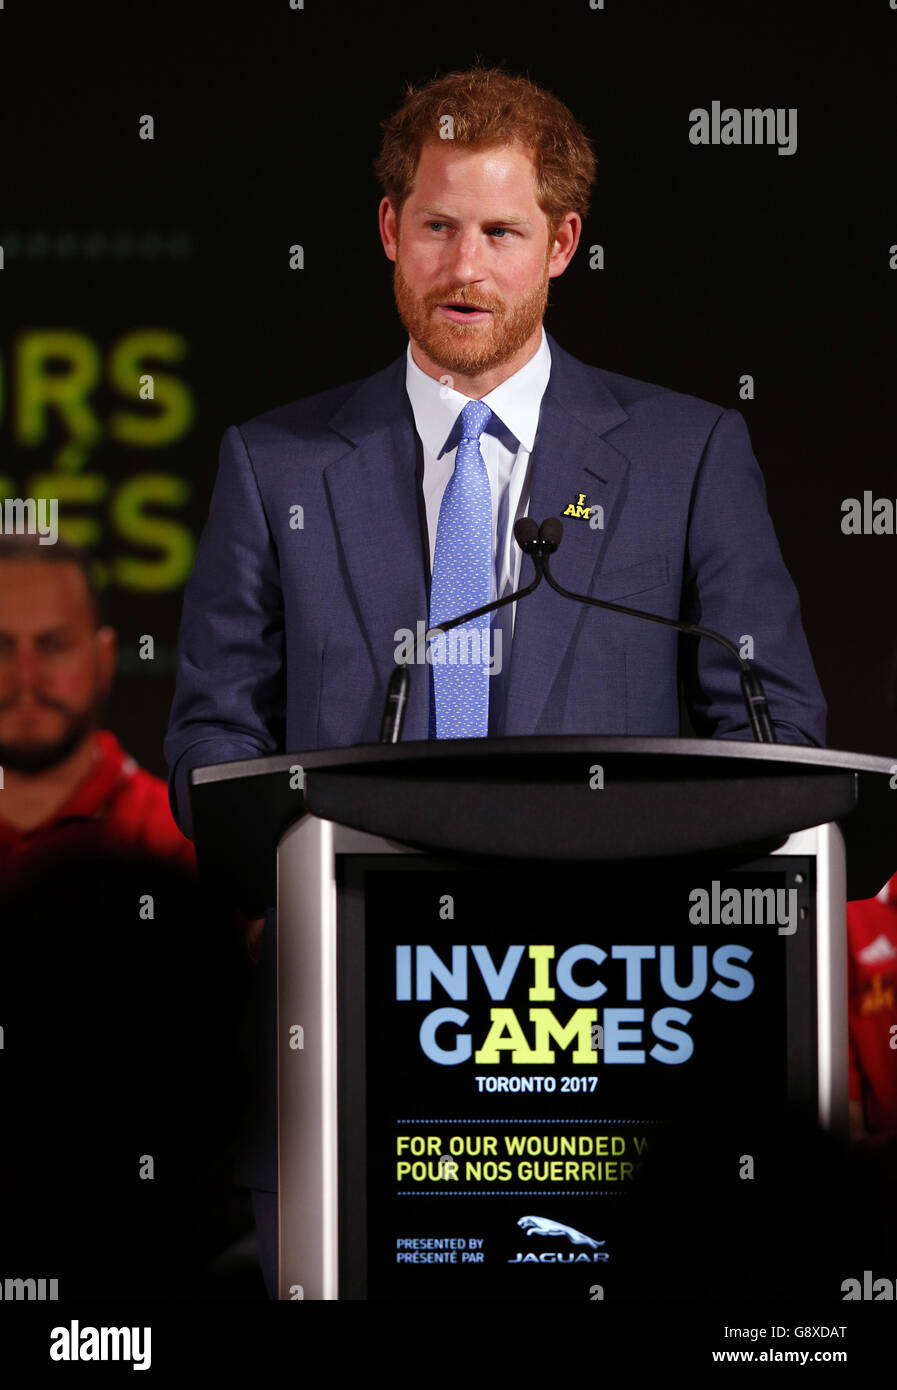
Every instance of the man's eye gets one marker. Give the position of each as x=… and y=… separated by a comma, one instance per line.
x=505, y=231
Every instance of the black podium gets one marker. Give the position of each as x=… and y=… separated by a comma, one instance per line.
x=505, y=965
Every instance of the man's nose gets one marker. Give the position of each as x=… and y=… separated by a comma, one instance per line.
x=467, y=259
x=25, y=670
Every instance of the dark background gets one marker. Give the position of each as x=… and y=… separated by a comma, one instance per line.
x=719, y=260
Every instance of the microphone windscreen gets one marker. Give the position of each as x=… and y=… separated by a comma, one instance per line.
x=526, y=531
x=552, y=530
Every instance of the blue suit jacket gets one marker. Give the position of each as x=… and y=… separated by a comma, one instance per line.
x=289, y=630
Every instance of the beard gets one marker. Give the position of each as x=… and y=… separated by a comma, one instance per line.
x=29, y=758
x=470, y=349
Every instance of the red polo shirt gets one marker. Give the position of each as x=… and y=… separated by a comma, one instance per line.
x=118, y=807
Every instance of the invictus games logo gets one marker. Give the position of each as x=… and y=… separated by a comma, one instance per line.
x=544, y=1226
x=460, y=646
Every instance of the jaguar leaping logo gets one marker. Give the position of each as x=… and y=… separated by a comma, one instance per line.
x=541, y=1226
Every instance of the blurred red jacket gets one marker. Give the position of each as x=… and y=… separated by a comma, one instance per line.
x=119, y=807
x=872, y=1008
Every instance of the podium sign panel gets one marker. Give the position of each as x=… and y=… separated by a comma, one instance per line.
x=514, y=1040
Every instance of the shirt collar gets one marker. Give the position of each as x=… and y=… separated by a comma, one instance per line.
x=516, y=402
x=113, y=768
x=888, y=894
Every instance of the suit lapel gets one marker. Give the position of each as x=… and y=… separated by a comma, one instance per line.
x=373, y=494
x=570, y=457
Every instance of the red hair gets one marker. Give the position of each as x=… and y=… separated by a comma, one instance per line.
x=489, y=107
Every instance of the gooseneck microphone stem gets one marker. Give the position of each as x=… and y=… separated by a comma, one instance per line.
x=540, y=542
x=400, y=681
x=751, y=686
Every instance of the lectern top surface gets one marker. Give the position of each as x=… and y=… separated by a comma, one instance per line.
x=496, y=750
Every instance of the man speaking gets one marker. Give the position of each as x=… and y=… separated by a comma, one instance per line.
x=342, y=521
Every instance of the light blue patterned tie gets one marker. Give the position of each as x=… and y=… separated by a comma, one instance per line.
x=462, y=580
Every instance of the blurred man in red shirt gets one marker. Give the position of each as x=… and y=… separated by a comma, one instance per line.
x=109, y=942
x=67, y=784
x=872, y=1000
x=872, y=1014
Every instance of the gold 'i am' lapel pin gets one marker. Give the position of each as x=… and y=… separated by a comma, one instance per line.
x=581, y=511
x=580, y=508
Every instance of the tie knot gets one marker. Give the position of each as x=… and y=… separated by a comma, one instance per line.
x=474, y=418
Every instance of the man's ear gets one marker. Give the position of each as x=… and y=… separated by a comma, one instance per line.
x=388, y=228
x=564, y=243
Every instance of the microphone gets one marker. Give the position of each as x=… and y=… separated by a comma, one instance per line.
x=550, y=534
x=528, y=537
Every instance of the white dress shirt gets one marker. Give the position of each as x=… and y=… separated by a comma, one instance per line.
x=506, y=446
